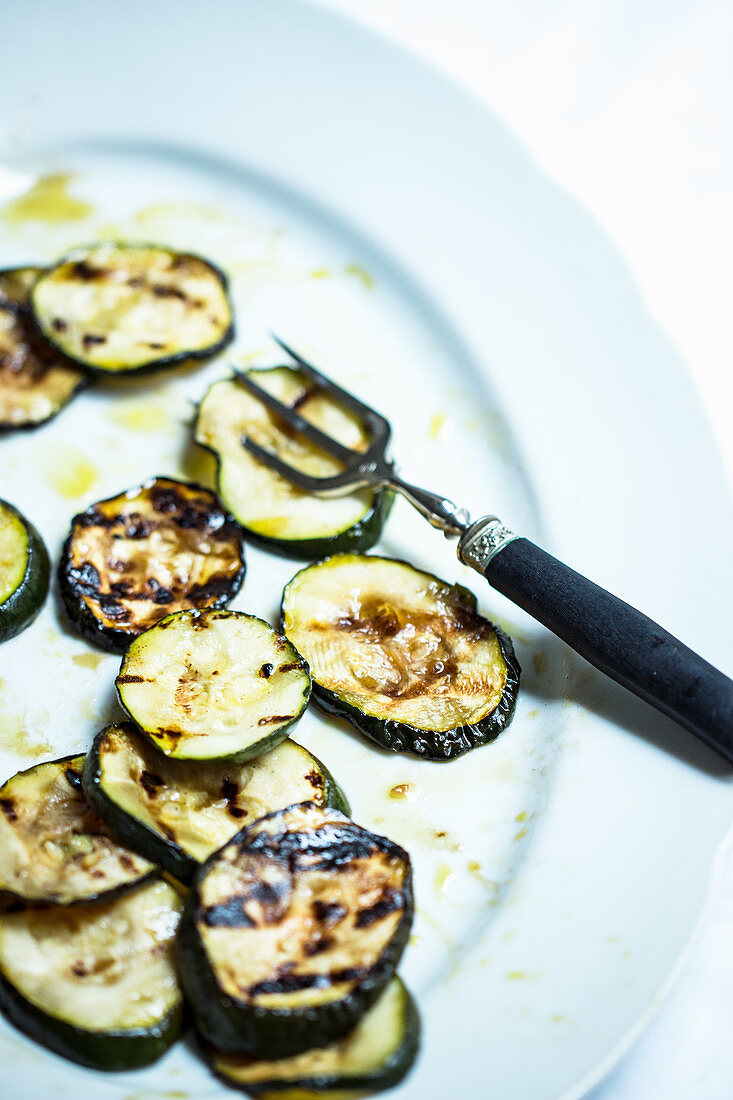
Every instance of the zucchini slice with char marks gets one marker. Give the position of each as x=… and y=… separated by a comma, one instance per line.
x=24, y=572
x=176, y=813
x=373, y=1057
x=96, y=984
x=161, y=547
x=120, y=308
x=292, y=931
x=272, y=511
x=53, y=846
x=36, y=380
x=213, y=685
x=401, y=655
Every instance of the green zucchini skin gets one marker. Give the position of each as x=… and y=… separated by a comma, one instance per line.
x=383, y=1075
x=434, y=745
x=235, y=1027
x=154, y=845
x=437, y=746
x=23, y=605
x=361, y=537
x=113, y=1050
x=155, y=363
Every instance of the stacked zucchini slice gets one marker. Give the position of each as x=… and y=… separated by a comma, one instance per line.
x=24, y=572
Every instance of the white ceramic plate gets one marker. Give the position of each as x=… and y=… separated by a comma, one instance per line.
x=376, y=217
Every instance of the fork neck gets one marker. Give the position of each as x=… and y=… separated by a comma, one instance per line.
x=437, y=510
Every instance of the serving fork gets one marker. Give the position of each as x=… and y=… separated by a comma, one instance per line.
x=613, y=636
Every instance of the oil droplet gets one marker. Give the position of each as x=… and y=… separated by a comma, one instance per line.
x=244, y=358
x=471, y=424
x=414, y=940
x=473, y=866
x=403, y=790
x=320, y=273
x=437, y=423
x=68, y=471
x=522, y=816
x=474, y=869
x=149, y=216
x=516, y=975
x=532, y=713
x=612, y=939
x=88, y=660
x=444, y=876
x=539, y=661
x=139, y=418
x=520, y=834
x=48, y=200
x=558, y=1018
x=361, y=274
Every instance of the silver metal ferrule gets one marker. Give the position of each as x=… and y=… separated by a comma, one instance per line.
x=483, y=539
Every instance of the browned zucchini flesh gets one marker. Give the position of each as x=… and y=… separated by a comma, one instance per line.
x=119, y=308
x=292, y=930
x=53, y=846
x=161, y=547
x=36, y=380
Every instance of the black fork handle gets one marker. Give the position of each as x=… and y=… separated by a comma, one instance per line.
x=610, y=634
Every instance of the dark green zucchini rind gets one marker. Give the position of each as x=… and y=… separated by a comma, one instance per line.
x=401, y=655
x=273, y=513
x=53, y=846
x=70, y=980
x=375, y=1056
x=177, y=813
x=132, y=560
x=292, y=931
x=24, y=572
x=213, y=685
x=131, y=308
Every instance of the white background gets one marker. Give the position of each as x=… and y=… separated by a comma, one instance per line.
x=627, y=104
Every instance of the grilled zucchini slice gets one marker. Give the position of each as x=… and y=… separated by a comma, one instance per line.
x=96, y=983
x=122, y=308
x=292, y=930
x=373, y=1057
x=213, y=685
x=401, y=655
x=178, y=814
x=53, y=846
x=161, y=547
x=36, y=380
x=272, y=511
x=24, y=572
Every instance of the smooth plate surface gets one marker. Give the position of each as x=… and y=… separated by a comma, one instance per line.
x=380, y=221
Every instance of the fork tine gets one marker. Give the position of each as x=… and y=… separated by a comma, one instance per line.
x=374, y=420
x=300, y=424
x=303, y=481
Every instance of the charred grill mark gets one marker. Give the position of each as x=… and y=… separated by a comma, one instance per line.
x=316, y=780
x=214, y=588
x=126, y=862
x=392, y=901
x=292, y=667
x=229, y=790
x=154, y=345
x=286, y=982
x=130, y=678
x=73, y=778
x=159, y=594
x=318, y=945
x=228, y=914
x=121, y=589
x=329, y=848
x=113, y=609
x=8, y=808
x=329, y=912
x=79, y=969
x=136, y=527
x=90, y=339
x=266, y=671
x=300, y=400
x=86, y=578
x=150, y=782
x=161, y=290
x=274, y=718
x=235, y=811
x=87, y=272
x=59, y=324
x=136, y=282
